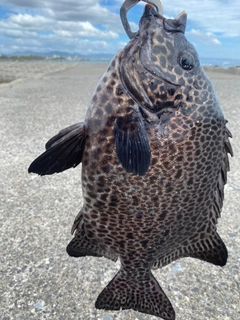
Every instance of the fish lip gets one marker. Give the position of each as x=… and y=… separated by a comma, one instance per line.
x=170, y=25
x=151, y=12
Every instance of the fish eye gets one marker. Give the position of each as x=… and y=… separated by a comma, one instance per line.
x=186, y=60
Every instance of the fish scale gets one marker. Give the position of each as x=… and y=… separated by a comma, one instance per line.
x=154, y=150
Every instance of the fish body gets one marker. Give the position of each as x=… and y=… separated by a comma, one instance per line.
x=154, y=159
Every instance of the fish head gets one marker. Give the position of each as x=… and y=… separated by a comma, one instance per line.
x=161, y=68
x=164, y=45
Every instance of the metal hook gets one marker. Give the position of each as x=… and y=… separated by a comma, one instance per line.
x=128, y=4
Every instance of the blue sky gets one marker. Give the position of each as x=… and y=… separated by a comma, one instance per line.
x=94, y=26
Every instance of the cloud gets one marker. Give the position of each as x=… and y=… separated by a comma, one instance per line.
x=34, y=25
x=215, y=16
x=27, y=20
x=82, y=26
x=55, y=42
x=207, y=38
x=67, y=10
x=83, y=30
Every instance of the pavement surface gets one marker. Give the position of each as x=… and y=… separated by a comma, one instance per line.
x=38, y=280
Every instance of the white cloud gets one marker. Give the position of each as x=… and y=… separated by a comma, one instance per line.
x=216, y=41
x=56, y=25
x=27, y=20
x=207, y=38
x=215, y=16
x=82, y=29
x=17, y=24
x=134, y=26
x=68, y=10
x=84, y=25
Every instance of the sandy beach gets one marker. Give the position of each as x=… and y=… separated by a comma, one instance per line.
x=38, y=280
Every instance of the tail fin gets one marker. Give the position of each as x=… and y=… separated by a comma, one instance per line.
x=145, y=296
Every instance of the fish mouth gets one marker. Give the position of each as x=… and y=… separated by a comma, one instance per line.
x=150, y=21
x=149, y=13
x=140, y=66
x=150, y=10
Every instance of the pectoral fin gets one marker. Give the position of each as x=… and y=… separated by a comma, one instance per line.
x=64, y=151
x=131, y=143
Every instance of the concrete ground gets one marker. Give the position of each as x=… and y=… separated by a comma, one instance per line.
x=38, y=280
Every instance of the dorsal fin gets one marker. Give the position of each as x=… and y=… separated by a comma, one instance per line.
x=222, y=180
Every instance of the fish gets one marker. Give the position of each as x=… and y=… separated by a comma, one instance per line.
x=154, y=148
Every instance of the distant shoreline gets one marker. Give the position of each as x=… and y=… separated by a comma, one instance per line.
x=15, y=69
x=106, y=58
x=230, y=70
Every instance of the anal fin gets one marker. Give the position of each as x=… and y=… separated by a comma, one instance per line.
x=211, y=249
x=85, y=245
x=143, y=296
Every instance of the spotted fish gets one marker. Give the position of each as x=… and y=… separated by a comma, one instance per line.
x=154, y=151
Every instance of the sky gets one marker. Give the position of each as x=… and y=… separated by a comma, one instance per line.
x=94, y=26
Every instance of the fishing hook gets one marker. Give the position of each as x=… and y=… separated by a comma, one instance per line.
x=128, y=4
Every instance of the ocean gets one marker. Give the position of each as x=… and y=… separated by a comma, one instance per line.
x=224, y=63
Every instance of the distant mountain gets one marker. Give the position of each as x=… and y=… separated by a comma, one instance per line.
x=3, y=56
x=226, y=63
x=101, y=56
